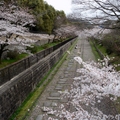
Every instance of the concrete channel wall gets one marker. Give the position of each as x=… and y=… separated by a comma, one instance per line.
x=16, y=90
x=99, y=52
x=14, y=69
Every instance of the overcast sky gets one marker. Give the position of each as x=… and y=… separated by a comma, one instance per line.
x=64, y=5
x=68, y=7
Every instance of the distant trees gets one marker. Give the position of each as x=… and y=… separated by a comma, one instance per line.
x=79, y=22
x=46, y=16
x=111, y=42
x=64, y=32
x=19, y=16
x=105, y=14
x=102, y=9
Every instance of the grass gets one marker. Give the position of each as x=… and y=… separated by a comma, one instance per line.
x=94, y=51
x=42, y=47
x=103, y=50
x=7, y=62
x=10, y=61
x=116, y=61
x=28, y=104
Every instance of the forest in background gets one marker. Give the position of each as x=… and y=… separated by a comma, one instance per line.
x=46, y=17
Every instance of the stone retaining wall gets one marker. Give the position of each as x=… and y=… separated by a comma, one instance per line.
x=15, y=91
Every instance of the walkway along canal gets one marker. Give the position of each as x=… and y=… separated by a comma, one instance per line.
x=51, y=105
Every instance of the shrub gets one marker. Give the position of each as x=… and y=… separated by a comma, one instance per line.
x=13, y=54
x=108, y=51
x=32, y=49
x=45, y=46
x=111, y=42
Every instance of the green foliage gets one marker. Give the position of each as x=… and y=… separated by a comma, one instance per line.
x=60, y=19
x=94, y=50
x=13, y=54
x=7, y=62
x=46, y=15
x=108, y=43
x=23, y=55
x=32, y=49
x=112, y=43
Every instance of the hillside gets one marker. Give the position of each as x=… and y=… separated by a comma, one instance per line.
x=23, y=23
x=16, y=16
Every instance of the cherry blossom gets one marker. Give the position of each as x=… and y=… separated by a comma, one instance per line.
x=96, y=81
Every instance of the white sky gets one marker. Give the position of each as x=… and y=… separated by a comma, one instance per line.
x=64, y=5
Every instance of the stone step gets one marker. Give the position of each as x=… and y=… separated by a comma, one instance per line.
x=53, y=98
x=55, y=94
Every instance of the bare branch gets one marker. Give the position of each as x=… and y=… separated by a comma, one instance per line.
x=98, y=10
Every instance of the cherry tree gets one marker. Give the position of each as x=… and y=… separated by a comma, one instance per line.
x=95, y=82
x=13, y=21
x=64, y=32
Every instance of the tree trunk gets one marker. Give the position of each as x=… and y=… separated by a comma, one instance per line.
x=0, y=57
x=54, y=38
x=2, y=50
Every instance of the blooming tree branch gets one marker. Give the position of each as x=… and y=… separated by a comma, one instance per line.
x=96, y=81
